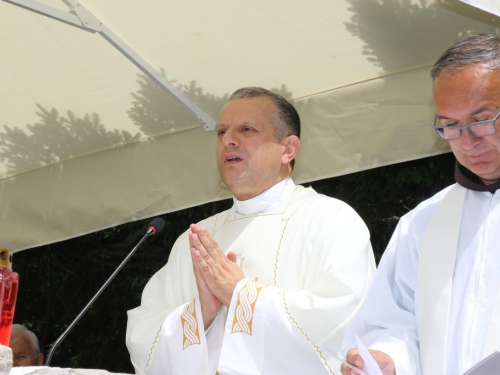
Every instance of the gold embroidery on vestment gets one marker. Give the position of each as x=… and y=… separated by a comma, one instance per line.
x=152, y=350
x=243, y=313
x=305, y=335
x=278, y=253
x=191, y=334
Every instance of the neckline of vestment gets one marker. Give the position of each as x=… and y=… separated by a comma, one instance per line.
x=470, y=181
x=286, y=212
x=271, y=200
x=279, y=209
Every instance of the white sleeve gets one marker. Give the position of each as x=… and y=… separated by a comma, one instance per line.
x=183, y=347
x=387, y=321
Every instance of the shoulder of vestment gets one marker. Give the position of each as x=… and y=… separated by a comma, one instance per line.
x=308, y=200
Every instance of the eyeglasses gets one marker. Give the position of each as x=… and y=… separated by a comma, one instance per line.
x=477, y=129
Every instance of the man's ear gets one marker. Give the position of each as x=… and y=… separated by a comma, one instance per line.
x=40, y=359
x=291, y=148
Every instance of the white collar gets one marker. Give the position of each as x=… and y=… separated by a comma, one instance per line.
x=273, y=199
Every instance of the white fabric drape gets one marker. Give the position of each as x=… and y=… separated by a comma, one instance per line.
x=90, y=143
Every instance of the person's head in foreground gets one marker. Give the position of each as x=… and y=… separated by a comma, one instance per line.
x=466, y=87
x=25, y=347
x=257, y=140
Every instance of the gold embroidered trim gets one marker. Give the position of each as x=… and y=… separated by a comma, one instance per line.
x=215, y=225
x=278, y=253
x=243, y=313
x=152, y=350
x=305, y=335
x=191, y=334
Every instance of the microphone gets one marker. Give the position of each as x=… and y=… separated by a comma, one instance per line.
x=154, y=227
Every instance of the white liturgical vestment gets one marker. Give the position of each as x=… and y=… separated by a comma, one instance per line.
x=308, y=265
x=391, y=321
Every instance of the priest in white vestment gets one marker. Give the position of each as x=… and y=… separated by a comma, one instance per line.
x=267, y=287
x=434, y=307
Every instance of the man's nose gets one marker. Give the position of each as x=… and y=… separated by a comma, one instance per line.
x=468, y=140
x=230, y=138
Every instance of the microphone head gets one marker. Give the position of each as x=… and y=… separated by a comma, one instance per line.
x=156, y=225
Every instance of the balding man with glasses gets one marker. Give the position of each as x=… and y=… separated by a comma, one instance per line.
x=434, y=307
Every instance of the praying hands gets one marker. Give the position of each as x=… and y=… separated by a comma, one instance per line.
x=216, y=274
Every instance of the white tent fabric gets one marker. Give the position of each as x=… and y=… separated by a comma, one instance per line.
x=87, y=141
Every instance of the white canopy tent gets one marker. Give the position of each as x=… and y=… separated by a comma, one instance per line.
x=88, y=141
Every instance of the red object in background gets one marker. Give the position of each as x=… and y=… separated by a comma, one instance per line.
x=9, y=282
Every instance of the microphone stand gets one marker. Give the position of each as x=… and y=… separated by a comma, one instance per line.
x=151, y=231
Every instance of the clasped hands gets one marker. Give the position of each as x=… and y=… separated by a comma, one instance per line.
x=216, y=274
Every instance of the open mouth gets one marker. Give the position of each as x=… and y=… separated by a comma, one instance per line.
x=232, y=159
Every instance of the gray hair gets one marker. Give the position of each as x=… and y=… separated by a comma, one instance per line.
x=287, y=121
x=482, y=49
x=18, y=329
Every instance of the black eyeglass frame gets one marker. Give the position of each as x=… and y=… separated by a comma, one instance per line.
x=466, y=127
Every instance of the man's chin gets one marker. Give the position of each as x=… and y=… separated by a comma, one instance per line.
x=232, y=183
x=487, y=175
x=489, y=180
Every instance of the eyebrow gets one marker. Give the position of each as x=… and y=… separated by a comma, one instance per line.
x=244, y=123
x=476, y=112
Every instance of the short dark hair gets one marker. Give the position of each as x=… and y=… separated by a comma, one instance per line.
x=481, y=49
x=287, y=120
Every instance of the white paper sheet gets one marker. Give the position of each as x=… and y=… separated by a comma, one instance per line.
x=358, y=370
x=370, y=366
